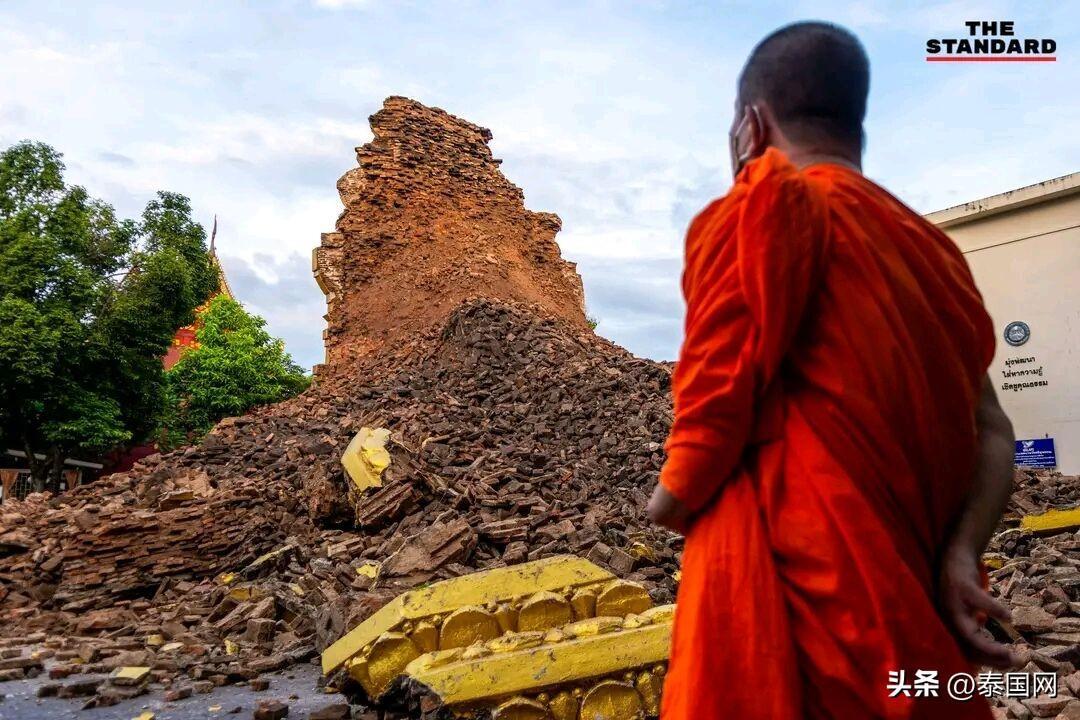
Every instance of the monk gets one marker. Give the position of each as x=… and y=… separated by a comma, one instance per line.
x=838, y=459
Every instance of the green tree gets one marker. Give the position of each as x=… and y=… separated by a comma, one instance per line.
x=234, y=366
x=88, y=305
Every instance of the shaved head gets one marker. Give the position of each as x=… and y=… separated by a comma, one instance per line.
x=814, y=77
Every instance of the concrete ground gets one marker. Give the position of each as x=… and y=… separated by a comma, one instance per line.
x=20, y=701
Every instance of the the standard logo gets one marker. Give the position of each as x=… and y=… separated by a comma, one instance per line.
x=990, y=41
x=1017, y=333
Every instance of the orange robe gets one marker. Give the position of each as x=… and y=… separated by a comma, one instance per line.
x=824, y=427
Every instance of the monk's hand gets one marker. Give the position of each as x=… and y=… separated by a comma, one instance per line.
x=964, y=601
x=667, y=510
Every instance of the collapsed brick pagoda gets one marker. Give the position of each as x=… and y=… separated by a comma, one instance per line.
x=430, y=220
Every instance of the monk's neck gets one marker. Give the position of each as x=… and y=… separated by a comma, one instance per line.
x=805, y=157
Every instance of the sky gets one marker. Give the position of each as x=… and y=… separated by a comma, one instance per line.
x=612, y=114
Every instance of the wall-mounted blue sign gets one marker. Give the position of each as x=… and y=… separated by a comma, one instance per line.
x=1038, y=453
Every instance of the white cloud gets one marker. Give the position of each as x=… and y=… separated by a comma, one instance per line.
x=338, y=4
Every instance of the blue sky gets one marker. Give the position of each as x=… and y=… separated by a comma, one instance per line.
x=612, y=114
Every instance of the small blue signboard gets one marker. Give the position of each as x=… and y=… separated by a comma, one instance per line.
x=1038, y=453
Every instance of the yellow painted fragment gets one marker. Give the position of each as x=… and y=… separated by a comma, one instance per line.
x=369, y=570
x=516, y=641
x=227, y=578
x=659, y=614
x=593, y=626
x=297, y=590
x=374, y=448
x=129, y=675
x=642, y=551
x=154, y=640
x=245, y=592
x=267, y=557
x=502, y=674
x=1052, y=521
x=171, y=647
x=145, y=715
x=230, y=647
x=366, y=457
x=214, y=708
x=480, y=589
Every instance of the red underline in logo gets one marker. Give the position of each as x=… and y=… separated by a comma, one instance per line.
x=990, y=58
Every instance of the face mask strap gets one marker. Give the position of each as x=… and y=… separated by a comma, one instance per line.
x=739, y=159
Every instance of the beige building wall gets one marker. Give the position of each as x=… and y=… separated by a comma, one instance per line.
x=1024, y=251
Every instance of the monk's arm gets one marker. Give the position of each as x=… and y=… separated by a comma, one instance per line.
x=746, y=285
x=993, y=475
x=962, y=594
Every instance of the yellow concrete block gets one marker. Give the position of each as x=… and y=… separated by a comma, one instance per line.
x=468, y=625
x=521, y=709
x=491, y=587
x=649, y=685
x=389, y=654
x=612, y=700
x=584, y=603
x=470, y=682
x=366, y=457
x=426, y=637
x=564, y=706
x=544, y=610
x=1052, y=521
x=621, y=598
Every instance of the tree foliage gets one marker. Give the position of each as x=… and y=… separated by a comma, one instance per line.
x=88, y=305
x=234, y=366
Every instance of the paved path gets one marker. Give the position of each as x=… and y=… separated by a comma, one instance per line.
x=21, y=702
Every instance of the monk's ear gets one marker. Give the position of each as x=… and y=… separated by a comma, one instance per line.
x=759, y=123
